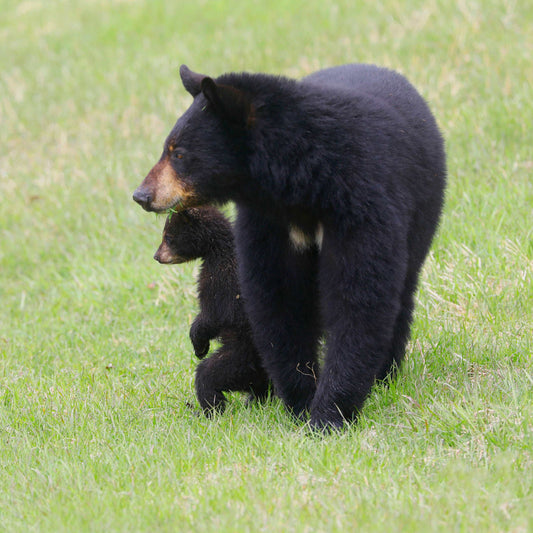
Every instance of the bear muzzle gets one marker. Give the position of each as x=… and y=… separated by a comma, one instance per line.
x=165, y=256
x=143, y=198
x=164, y=189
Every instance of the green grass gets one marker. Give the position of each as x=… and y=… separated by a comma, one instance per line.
x=96, y=368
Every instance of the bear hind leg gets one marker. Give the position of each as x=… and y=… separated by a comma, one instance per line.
x=235, y=366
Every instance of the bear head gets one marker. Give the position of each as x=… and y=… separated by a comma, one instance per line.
x=205, y=156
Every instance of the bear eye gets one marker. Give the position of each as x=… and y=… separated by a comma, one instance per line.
x=175, y=152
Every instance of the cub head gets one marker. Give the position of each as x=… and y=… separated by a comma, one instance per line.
x=205, y=155
x=178, y=244
x=190, y=234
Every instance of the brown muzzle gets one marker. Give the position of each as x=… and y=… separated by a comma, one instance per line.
x=162, y=189
x=165, y=256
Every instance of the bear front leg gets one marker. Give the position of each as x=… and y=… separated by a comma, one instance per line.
x=361, y=279
x=201, y=333
x=279, y=285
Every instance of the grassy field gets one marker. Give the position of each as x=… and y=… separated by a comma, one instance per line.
x=96, y=368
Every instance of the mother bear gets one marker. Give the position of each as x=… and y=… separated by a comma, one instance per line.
x=339, y=182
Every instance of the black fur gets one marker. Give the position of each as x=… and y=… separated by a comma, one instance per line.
x=349, y=162
x=205, y=233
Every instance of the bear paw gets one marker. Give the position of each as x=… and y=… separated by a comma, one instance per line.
x=326, y=420
x=201, y=349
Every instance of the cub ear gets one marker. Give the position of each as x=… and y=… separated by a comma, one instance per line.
x=191, y=80
x=232, y=104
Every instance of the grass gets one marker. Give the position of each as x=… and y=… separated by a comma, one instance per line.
x=96, y=368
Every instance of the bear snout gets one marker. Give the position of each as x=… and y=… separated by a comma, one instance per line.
x=143, y=198
x=166, y=256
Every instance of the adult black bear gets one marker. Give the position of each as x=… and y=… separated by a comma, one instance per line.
x=205, y=233
x=339, y=182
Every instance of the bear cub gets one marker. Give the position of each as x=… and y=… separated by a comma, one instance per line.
x=205, y=233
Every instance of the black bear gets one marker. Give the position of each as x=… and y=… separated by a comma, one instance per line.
x=236, y=366
x=339, y=183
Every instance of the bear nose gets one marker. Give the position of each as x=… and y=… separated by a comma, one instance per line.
x=157, y=257
x=142, y=197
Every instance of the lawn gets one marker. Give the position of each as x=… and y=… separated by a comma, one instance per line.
x=96, y=367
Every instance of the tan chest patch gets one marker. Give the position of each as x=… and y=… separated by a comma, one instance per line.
x=303, y=241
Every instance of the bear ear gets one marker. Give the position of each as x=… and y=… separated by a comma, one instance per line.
x=230, y=103
x=191, y=80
